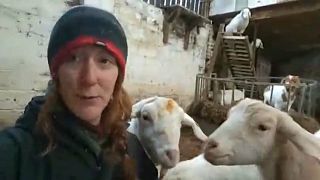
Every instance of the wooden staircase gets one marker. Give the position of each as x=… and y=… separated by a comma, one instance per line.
x=238, y=53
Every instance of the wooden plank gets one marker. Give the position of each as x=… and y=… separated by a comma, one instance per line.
x=236, y=50
x=274, y=10
x=239, y=43
x=233, y=37
x=234, y=47
x=242, y=69
x=287, y=9
x=216, y=51
x=234, y=43
x=241, y=63
x=240, y=66
x=238, y=58
x=243, y=73
x=238, y=55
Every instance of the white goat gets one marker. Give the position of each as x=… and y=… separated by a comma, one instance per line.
x=280, y=95
x=226, y=96
x=156, y=121
x=317, y=134
x=258, y=44
x=199, y=168
x=239, y=23
x=256, y=133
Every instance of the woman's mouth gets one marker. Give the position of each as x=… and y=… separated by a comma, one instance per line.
x=89, y=99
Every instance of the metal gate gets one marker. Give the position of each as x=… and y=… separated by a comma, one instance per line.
x=208, y=87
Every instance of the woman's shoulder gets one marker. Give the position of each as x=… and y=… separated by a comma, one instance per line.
x=13, y=138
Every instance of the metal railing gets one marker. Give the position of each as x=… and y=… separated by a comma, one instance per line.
x=208, y=88
x=200, y=7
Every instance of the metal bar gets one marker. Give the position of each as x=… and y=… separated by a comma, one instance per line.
x=196, y=89
x=271, y=95
x=202, y=88
x=223, y=93
x=207, y=83
x=252, y=89
x=310, y=102
x=197, y=6
x=302, y=99
x=289, y=98
x=188, y=6
x=193, y=5
x=232, y=98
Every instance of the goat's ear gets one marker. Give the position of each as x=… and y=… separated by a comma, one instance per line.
x=136, y=108
x=188, y=121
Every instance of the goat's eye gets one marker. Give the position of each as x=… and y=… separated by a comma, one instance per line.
x=145, y=117
x=262, y=127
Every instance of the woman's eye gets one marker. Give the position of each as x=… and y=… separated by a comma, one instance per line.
x=105, y=61
x=74, y=58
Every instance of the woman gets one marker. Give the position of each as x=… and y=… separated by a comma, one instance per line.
x=78, y=131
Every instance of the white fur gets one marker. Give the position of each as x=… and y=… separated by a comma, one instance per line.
x=239, y=23
x=258, y=44
x=238, y=95
x=276, y=100
x=317, y=134
x=256, y=133
x=160, y=133
x=199, y=168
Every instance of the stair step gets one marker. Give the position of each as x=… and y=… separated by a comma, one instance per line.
x=236, y=46
x=238, y=58
x=243, y=73
x=234, y=37
x=240, y=66
x=234, y=55
x=242, y=69
x=237, y=51
x=233, y=45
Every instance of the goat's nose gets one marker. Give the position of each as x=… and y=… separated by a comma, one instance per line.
x=212, y=144
x=172, y=154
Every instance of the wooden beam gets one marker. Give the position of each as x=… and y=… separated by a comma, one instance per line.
x=169, y=18
x=188, y=17
x=273, y=11
x=285, y=9
x=216, y=50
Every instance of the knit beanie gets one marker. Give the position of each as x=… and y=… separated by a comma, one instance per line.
x=85, y=25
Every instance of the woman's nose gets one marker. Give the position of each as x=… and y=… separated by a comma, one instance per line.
x=88, y=73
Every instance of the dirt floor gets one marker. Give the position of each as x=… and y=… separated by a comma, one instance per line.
x=189, y=145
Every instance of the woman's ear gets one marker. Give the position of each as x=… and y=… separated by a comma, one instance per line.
x=51, y=86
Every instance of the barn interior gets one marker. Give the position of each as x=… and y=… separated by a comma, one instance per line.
x=290, y=33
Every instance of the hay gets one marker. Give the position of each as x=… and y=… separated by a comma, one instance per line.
x=216, y=114
x=210, y=111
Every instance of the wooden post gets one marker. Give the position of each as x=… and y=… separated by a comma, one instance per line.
x=216, y=50
x=254, y=49
x=170, y=17
x=188, y=28
x=214, y=57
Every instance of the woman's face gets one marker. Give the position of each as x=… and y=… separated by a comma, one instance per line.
x=86, y=81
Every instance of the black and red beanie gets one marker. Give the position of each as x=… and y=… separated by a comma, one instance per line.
x=85, y=25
